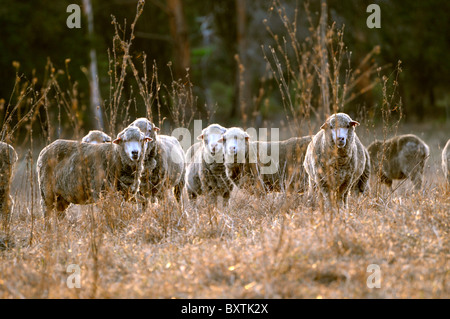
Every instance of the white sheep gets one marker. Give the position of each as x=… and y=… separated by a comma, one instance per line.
x=205, y=171
x=446, y=162
x=8, y=158
x=265, y=166
x=241, y=162
x=96, y=137
x=164, y=164
x=74, y=172
x=399, y=157
x=336, y=160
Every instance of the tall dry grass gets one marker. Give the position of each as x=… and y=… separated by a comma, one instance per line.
x=275, y=246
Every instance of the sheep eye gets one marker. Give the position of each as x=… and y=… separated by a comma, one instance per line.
x=348, y=125
x=224, y=139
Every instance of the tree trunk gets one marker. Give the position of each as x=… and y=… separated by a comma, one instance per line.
x=179, y=33
x=324, y=68
x=242, y=85
x=95, y=98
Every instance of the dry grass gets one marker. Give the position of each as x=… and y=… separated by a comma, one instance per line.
x=270, y=247
x=273, y=247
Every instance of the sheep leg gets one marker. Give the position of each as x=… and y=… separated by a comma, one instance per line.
x=310, y=195
x=48, y=200
x=5, y=209
x=155, y=195
x=226, y=198
x=214, y=200
x=327, y=196
x=61, y=206
x=47, y=209
x=362, y=184
x=177, y=191
x=416, y=176
x=343, y=199
x=309, y=198
x=387, y=181
x=342, y=195
x=144, y=204
x=192, y=195
x=417, y=180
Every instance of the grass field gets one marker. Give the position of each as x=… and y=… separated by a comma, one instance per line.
x=271, y=247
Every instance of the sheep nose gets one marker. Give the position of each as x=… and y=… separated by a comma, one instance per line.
x=135, y=154
x=232, y=149
x=341, y=139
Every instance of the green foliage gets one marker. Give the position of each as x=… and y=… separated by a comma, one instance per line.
x=415, y=32
x=33, y=31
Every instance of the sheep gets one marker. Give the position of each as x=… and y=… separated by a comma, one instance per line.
x=400, y=157
x=248, y=163
x=193, y=167
x=78, y=173
x=96, y=137
x=446, y=161
x=336, y=160
x=8, y=158
x=164, y=165
x=289, y=174
x=239, y=169
x=205, y=171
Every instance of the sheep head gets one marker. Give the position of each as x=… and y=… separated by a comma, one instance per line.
x=211, y=139
x=341, y=128
x=149, y=129
x=133, y=143
x=96, y=137
x=235, y=145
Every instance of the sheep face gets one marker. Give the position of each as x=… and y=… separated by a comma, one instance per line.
x=134, y=143
x=96, y=137
x=211, y=139
x=235, y=145
x=342, y=129
x=147, y=127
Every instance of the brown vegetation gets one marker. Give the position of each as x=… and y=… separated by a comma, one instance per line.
x=274, y=246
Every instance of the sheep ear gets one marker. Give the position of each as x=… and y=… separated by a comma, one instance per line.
x=247, y=137
x=200, y=137
x=148, y=139
x=117, y=140
x=354, y=123
x=156, y=129
x=220, y=140
x=324, y=126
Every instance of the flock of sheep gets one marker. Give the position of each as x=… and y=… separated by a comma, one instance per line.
x=144, y=165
